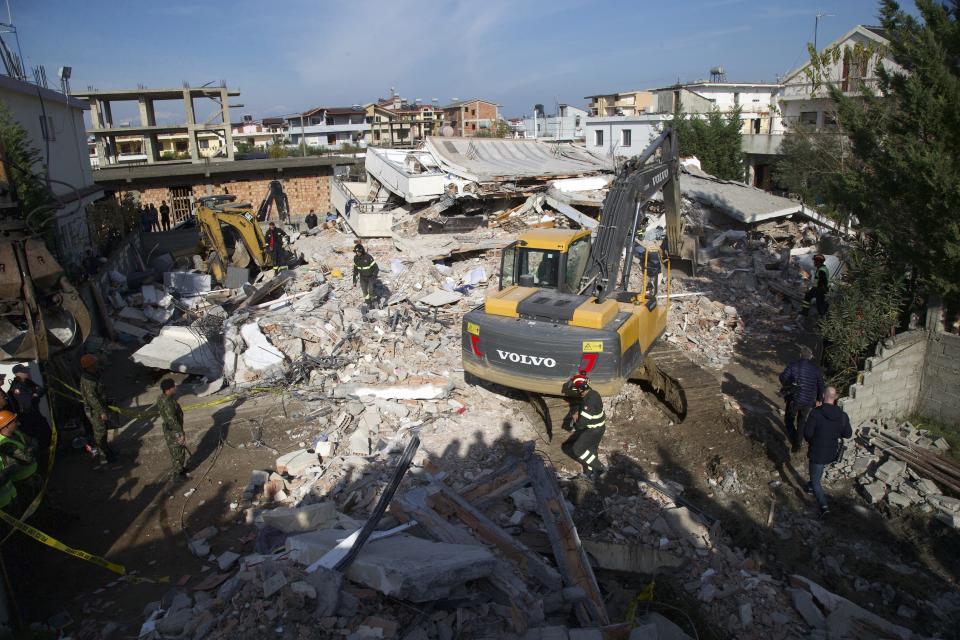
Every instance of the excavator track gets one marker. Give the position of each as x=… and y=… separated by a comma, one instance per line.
x=690, y=391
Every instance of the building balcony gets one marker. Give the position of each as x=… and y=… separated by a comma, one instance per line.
x=761, y=144
x=325, y=129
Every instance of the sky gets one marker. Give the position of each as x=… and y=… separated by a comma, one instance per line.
x=286, y=56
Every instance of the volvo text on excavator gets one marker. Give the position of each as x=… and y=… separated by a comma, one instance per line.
x=564, y=303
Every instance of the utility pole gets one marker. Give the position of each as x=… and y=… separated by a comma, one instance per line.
x=816, y=27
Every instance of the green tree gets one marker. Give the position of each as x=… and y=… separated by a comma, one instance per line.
x=277, y=151
x=716, y=140
x=906, y=136
x=25, y=164
x=500, y=130
x=865, y=307
x=810, y=164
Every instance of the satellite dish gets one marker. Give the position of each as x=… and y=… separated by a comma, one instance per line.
x=446, y=131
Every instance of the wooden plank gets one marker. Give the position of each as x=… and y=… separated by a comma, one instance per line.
x=442, y=496
x=567, y=549
x=497, y=484
x=102, y=308
x=526, y=608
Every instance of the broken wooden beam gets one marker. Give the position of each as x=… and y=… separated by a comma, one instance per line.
x=442, y=497
x=567, y=549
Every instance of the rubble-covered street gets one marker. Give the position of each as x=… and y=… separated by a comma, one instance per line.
x=701, y=529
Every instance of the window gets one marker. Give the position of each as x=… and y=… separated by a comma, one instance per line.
x=829, y=119
x=808, y=118
x=46, y=128
x=576, y=264
x=181, y=147
x=736, y=98
x=507, y=266
x=626, y=138
x=332, y=138
x=755, y=125
x=543, y=267
x=204, y=144
x=598, y=138
x=577, y=121
x=473, y=112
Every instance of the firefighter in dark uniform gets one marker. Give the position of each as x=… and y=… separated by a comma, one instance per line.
x=819, y=289
x=365, y=270
x=26, y=395
x=588, y=423
x=275, y=239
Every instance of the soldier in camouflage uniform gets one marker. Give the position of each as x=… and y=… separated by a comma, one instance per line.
x=171, y=415
x=94, y=403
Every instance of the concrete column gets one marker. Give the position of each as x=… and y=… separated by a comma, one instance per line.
x=227, y=129
x=148, y=118
x=191, y=126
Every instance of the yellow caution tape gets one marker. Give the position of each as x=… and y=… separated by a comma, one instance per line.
x=43, y=538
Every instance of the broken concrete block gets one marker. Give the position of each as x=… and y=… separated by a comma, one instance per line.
x=260, y=356
x=259, y=478
x=186, y=284
x=237, y=277
x=632, y=558
x=199, y=548
x=942, y=444
x=440, y=298
x=402, y=566
x=585, y=634
x=206, y=533
x=273, y=584
x=875, y=491
x=746, y=615
x=944, y=502
x=304, y=588
x=898, y=499
x=377, y=627
x=325, y=448
x=296, y=462
x=926, y=487
x=173, y=623
x=131, y=313
x=682, y=523
x=301, y=519
x=890, y=471
x=412, y=388
x=226, y=559
x=664, y=628
x=861, y=464
x=326, y=584
x=808, y=610
x=131, y=330
x=360, y=441
x=182, y=349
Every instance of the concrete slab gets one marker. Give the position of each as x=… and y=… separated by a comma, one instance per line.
x=412, y=388
x=296, y=462
x=181, y=349
x=301, y=519
x=132, y=313
x=402, y=566
x=890, y=471
x=237, y=277
x=186, y=284
x=260, y=355
x=226, y=559
x=440, y=298
x=634, y=558
x=807, y=608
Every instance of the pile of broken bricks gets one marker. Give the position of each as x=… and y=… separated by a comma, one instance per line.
x=903, y=467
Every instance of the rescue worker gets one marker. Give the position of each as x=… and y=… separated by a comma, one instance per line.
x=821, y=283
x=26, y=395
x=802, y=386
x=19, y=462
x=164, y=212
x=275, y=239
x=8, y=467
x=824, y=430
x=588, y=423
x=365, y=270
x=94, y=403
x=311, y=219
x=171, y=416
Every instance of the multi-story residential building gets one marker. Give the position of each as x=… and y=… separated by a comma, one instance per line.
x=132, y=149
x=799, y=105
x=470, y=117
x=54, y=123
x=566, y=125
x=329, y=127
x=625, y=103
x=106, y=134
x=394, y=122
x=259, y=134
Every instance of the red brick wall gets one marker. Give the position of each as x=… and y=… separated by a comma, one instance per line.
x=304, y=192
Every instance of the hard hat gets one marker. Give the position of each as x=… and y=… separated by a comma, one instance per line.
x=6, y=417
x=579, y=381
x=336, y=273
x=358, y=248
x=87, y=360
x=21, y=368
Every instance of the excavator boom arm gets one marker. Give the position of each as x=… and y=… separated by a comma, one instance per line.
x=639, y=179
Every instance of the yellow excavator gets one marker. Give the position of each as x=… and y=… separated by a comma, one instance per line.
x=564, y=303
x=41, y=312
x=231, y=236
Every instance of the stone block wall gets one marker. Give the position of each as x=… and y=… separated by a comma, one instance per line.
x=940, y=391
x=891, y=381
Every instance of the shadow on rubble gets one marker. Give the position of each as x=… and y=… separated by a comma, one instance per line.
x=130, y=511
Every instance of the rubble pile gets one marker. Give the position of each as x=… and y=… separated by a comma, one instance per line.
x=902, y=467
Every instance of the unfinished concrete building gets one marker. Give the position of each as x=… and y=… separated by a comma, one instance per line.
x=106, y=131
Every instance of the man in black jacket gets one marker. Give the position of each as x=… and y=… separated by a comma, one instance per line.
x=588, y=422
x=825, y=427
x=802, y=385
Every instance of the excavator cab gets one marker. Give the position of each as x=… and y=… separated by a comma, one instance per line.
x=546, y=259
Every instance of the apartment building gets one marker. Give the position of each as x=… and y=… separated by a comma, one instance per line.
x=395, y=122
x=566, y=125
x=625, y=103
x=259, y=134
x=329, y=127
x=470, y=117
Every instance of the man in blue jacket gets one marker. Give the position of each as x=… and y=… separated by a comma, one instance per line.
x=825, y=427
x=802, y=386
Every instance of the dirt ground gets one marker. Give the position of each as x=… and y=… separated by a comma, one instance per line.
x=131, y=512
